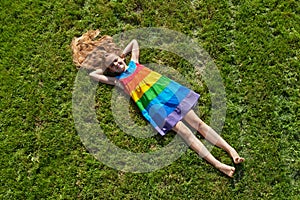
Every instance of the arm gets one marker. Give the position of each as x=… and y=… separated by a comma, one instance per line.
x=98, y=76
x=132, y=47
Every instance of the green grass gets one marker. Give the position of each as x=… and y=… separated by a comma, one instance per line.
x=255, y=45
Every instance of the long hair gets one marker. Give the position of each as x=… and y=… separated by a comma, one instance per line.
x=89, y=51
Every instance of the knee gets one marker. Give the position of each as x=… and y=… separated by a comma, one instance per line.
x=200, y=125
x=194, y=121
x=183, y=130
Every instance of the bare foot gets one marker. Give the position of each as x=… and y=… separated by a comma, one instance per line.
x=238, y=160
x=235, y=156
x=228, y=170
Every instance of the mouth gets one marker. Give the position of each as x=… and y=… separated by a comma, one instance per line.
x=120, y=67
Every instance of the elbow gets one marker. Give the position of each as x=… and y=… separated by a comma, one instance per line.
x=135, y=42
x=93, y=75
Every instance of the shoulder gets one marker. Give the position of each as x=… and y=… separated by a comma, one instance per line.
x=133, y=64
x=133, y=61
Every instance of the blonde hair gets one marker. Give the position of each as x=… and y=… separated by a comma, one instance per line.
x=89, y=52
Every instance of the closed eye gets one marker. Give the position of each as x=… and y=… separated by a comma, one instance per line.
x=113, y=62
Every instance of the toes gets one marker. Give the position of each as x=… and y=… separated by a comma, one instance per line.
x=238, y=160
x=231, y=172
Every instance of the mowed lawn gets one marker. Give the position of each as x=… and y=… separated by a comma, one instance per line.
x=256, y=47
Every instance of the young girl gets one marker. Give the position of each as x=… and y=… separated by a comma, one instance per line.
x=166, y=104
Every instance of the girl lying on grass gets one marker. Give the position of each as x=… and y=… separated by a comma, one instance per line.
x=166, y=104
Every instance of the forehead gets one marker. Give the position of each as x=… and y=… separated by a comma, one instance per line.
x=109, y=58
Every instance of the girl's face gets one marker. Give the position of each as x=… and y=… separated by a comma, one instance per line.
x=115, y=63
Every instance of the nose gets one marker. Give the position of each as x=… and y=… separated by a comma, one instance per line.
x=115, y=63
x=120, y=60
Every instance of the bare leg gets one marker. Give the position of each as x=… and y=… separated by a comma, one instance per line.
x=199, y=148
x=209, y=134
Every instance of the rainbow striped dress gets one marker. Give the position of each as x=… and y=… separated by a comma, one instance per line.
x=162, y=101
